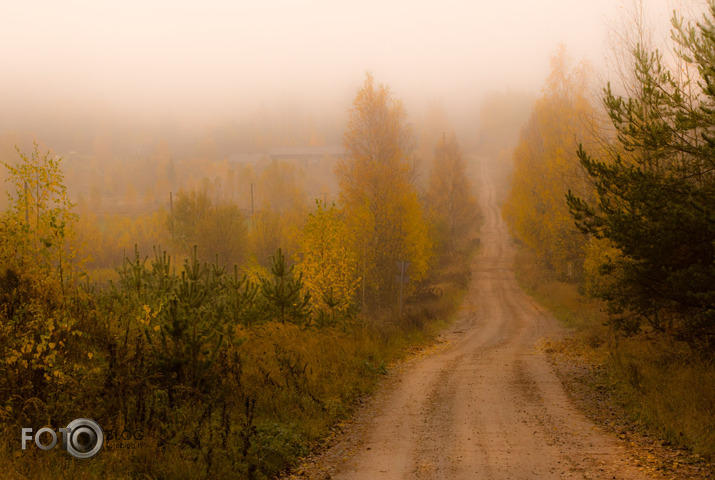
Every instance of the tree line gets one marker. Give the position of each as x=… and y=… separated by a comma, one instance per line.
x=620, y=194
x=229, y=365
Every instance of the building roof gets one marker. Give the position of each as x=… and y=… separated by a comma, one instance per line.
x=307, y=152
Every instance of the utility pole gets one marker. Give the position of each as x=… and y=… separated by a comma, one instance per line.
x=171, y=212
x=402, y=283
x=402, y=265
x=364, y=271
x=252, y=202
x=37, y=198
x=27, y=206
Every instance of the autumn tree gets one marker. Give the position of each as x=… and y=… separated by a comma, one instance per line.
x=38, y=321
x=327, y=263
x=382, y=210
x=40, y=220
x=281, y=186
x=218, y=229
x=545, y=168
x=433, y=123
x=266, y=233
x=449, y=196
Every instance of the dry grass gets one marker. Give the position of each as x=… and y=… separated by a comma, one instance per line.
x=665, y=389
x=303, y=380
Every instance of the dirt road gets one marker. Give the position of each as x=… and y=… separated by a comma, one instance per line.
x=486, y=403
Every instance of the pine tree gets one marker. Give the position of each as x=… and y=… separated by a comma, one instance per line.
x=284, y=294
x=656, y=195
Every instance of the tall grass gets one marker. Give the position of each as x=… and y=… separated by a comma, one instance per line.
x=262, y=404
x=666, y=387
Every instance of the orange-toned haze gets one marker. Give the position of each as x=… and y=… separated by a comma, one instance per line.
x=186, y=61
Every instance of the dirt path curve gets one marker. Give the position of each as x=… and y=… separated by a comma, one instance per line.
x=486, y=404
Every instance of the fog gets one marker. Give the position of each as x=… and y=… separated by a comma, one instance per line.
x=182, y=62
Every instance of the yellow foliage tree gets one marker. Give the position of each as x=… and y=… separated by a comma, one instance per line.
x=449, y=196
x=327, y=263
x=218, y=229
x=383, y=213
x=546, y=166
x=40, y=222
x=37, y=323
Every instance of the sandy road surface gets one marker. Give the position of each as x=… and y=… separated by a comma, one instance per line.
x=486, y=404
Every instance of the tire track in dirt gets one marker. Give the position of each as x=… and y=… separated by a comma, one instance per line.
x=486, y=404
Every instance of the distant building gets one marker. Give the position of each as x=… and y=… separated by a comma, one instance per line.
x=246, y=158
x=307, y=154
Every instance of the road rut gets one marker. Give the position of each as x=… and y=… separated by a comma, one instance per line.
x=486, y=404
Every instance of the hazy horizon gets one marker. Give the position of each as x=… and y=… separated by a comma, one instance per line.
x=182, y=63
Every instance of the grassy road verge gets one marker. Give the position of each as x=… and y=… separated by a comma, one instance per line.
x=657, y=395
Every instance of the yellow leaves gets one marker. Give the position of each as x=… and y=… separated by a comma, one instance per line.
x=149, y=314
x=241, y=333
x=254, y=272
x=327, y=264
x=11, y=359
x=598, y=252
x=417, y=245
x=546, y=167
x=449, y=194
x=116, y=232
x=37, y=181
x=383, y=216
x=90, y=355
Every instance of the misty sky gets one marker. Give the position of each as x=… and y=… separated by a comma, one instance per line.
x=222, y=55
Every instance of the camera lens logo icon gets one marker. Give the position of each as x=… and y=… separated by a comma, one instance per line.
x=82, y=438
x=85, y=438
